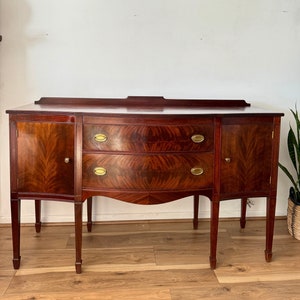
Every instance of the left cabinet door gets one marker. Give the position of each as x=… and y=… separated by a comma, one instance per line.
x=45, y=154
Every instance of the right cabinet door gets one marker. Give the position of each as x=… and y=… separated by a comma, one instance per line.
x=246, y=156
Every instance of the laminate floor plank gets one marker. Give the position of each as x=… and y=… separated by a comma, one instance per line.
x=108, y=294
x=170, y=256
x=5, y=260
x=5, y=280
x=251, y=272
x=242, y=291
x=119, y=278
x=141, y=239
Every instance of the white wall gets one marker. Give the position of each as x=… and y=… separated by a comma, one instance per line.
x=175, y=48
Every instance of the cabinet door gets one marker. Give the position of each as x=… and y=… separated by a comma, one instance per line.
x=246, y=153
x=45, y=157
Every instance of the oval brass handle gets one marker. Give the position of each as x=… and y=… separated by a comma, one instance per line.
x=100, y=137
x=228, y=159
x=67, y=160
x=100, y=171
x=197, y=138
x=197, y=171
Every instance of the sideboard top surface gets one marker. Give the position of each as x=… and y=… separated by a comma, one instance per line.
x=141, y=105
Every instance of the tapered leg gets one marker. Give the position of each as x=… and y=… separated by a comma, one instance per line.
x=271, y=204
x=214, y=224
x=243, y=212
x=37, y=215
x=78, y=235
x=89, y=213
x=196, y=211
x=15, y=225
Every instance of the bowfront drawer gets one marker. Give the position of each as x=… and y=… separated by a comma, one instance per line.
x=151, y=172
x=146, y=138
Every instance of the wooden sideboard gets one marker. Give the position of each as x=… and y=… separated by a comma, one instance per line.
x=143, y=150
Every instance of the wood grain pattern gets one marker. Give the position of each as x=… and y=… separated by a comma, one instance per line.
x=152, y=260
x=148, y=172
x=144, y=138
x=248, y=148
x=42, y=149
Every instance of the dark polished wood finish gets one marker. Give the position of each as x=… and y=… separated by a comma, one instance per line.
x=143, y=150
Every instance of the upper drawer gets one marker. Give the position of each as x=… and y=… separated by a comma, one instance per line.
x=148, y=138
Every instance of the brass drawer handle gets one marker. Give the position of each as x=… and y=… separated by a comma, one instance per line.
x=228, y=159
x=197, y=171
x=100, y=137
x=100, y=171
x=197, y=138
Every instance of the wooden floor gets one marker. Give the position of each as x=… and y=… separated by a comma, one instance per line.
x=151, y=260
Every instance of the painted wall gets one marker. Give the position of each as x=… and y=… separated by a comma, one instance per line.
x=175, y=48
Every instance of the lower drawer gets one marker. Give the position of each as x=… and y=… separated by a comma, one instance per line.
x=147, y=172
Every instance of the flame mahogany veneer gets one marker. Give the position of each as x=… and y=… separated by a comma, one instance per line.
x=143, y=150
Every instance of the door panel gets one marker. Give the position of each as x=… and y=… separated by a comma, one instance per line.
x=246, y=157
x=45, y=157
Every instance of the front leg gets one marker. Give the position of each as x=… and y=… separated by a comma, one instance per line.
x=78, y=235
x=15, y=225
x=271, y=205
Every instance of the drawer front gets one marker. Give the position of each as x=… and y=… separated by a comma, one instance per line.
x=151, y=172
x=145, y=138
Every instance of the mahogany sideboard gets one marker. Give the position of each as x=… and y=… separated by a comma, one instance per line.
x=143, y=150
